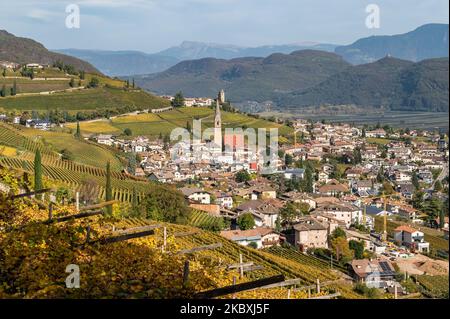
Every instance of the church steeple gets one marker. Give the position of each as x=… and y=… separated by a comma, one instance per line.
x=218, y=123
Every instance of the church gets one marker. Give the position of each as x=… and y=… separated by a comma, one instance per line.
x=218, y=120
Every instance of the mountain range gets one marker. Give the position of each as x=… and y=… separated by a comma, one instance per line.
x=425, y=42
x=390, y=83
x=126, y=63
x=23, y=50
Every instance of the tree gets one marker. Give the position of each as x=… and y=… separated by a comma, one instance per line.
x=72, y=83
x=358, y=248
x=3, y=91
x=108, y=188
x=338, y=232
x=363, y=133
x=387, y=188
x=415, y=181
x=246, y=221
x=438, y=186
x=309, y=180
x=38, y=184
x=14, y=88
x=341, y=249
x=188, y=126
x=82, y=75
x=78, y=132
x=4, y=73
x=357, y=158
x=178, y=100
x=93, y=83
x=288, y=159
x=165, y=204
x=134, y=84
x=242, y=176
x=278, y=227
x=131, y=163
x=127, y=132
x=289, y=213
x=253, y=245
x=441, y=219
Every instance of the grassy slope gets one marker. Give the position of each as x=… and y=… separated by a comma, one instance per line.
x=153, y=124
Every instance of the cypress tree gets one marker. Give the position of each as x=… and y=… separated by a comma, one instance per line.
x=78, y=132
x=134, y=202
x=38, y=172
x=108, y=193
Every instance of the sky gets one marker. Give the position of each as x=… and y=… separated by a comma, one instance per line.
x=154, y=25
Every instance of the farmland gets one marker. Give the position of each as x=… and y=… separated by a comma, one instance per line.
x=163, y=123
x=434, y=286
x=83, y=100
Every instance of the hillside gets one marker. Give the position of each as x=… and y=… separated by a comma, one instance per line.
x=152, y=125
x=426, y=42
x=23, y=50
x=391, y=83
x=257, y=79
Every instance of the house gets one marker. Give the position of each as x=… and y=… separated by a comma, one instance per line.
x=378, y=133
x=196, y=194
x=310, y=233
x=264, y=212
x=324, y=177
x=295, y=174
x=374, y=273
x=105, y=139
x=263, y=237
x=333, y=188
x=347, y=213
x=225, y=200
x=411, y=238
x=363, y=186
x=38, y=124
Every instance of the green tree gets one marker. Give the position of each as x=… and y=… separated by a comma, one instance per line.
x=94, y=82
x=14, y=88
x=127, y=132
x=246, y=221
x=3, y=91
x=387, y=188
x=78, y=131
x=38, y=184
x=108, y=188
x=338, y=232
x=288, y=159
x=289, y=213
x=242, y=176
x=341, y=250
x=438, y=186
x=4, y=73
x=415, y=181
x=358, y=248
x=309, y=180
x=188, y=126
x=165, y=204
x=178, y=100
x=72, y=83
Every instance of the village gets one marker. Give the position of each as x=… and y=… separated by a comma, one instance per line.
x=334, y=181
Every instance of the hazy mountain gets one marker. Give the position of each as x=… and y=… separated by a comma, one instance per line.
x=117, y=63
x=426, y=42
x=126, y=63
x=257, y=79
x=392, y=83
x=190, y=50
x=23, y=50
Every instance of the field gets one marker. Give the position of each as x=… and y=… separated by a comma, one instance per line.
x=83, y=100
x=84, y=152
x=163, y=123
x=203, y=220
x=434, y=286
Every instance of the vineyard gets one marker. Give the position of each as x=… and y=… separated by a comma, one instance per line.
x=229, y=253
x=292, y=254
x=203, y=220
x=13, y=137
x=434, y=286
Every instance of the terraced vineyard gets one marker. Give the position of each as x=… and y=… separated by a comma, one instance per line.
x=75, y=175
x=434, y=286
x=229, y=254
x=10, y=136
x=301, y=258
x=203, y=220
